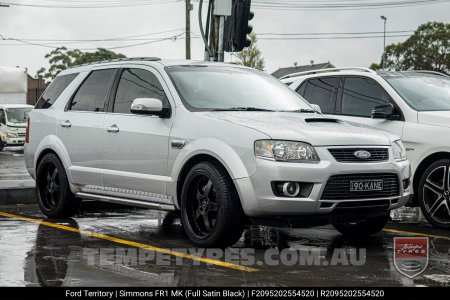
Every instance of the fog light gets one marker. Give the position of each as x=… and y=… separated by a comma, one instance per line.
x=406, y=184
x=291, y=189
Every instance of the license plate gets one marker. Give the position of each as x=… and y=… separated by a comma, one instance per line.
x=366, y=185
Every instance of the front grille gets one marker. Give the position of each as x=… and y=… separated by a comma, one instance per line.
x=21, y=134
x=348, y=155
x=338, y=187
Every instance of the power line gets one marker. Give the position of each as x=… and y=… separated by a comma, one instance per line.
x=101, y=4
x=339, y=5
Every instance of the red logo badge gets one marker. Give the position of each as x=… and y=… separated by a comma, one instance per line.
x=411, y=255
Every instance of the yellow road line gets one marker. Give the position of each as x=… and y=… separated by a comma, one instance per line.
x=132, y=244
x=416, y=233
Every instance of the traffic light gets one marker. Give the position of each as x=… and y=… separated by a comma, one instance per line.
x=237, y=26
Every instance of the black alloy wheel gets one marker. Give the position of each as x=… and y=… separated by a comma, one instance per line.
x=434, y=193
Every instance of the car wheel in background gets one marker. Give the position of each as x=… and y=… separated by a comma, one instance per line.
x=211, y=211
x=52, y=188
x=364, y=228
x=434, y=193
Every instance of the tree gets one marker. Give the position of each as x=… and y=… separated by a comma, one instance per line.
x=251, y=56
x=61, y=59
x=427, y=49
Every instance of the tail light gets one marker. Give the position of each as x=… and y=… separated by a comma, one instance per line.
x=27, y=132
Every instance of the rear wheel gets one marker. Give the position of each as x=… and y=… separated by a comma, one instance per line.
x=52, y=188
x=434, y=193
x=210, y=208
x=364, y=228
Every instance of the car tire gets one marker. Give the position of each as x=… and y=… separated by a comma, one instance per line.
x=211, y=211
x=52, y=189
x=434, y=193
x=364, y=228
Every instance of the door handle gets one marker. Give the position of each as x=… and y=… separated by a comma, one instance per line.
x=112, y=128
x=66, y=124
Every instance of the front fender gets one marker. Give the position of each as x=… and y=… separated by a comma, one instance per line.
x=239, y=163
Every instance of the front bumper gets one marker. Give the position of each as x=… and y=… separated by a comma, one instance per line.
x=18, y=141
x=259, y=200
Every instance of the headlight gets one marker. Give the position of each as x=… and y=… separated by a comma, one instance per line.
x=399, y=151
x=286, y=151
x=11, y=134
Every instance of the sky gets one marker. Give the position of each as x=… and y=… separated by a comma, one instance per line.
x=103, y=23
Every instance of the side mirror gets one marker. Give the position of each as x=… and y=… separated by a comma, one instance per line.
x=385, y=111
x=149, y=106
x=316, y=108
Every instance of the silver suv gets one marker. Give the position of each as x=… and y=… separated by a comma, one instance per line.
x=225, y=145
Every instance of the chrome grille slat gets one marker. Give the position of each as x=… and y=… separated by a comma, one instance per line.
x=346, y=155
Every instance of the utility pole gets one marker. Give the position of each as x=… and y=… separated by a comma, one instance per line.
x=188, y=28
x=222, y=9
x=383, y=58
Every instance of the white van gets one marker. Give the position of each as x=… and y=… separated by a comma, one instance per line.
x=13, y=122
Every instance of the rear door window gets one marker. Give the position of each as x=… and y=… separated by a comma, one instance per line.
x=92, y=94
x=323, y=92
x=54, y=90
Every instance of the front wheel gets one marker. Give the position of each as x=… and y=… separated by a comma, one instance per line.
x=434, y=193
x=364, y=228
x=211, y=212
x=52, y=188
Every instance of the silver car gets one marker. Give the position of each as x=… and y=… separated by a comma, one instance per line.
x=223, y=144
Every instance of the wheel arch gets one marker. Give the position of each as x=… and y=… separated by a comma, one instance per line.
x=420, y=170
x=52, y=144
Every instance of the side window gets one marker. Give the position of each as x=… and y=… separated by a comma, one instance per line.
x=322, y=91
x=360, y=95
x=92, y=94
x=301, y=89
x=137, y=83
x=2, y=117
x=53, y=91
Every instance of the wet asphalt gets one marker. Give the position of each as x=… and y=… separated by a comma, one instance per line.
x=35, y=254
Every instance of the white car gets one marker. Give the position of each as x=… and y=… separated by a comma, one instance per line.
x=412, y=104
x=13, y=118
x=226, y=145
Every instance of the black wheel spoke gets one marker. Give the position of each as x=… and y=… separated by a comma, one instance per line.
x=207, y=224
x=49, y=176
x=208, y=188
x=199, y=197
x=197, y=214
x=54, y=174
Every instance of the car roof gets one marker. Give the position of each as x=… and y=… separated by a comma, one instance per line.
x=354, y=71
x=147, y=60
x=16, y=106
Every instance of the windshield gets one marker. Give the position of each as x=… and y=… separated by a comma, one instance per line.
x=422, y=91
x=18, y=115
x=206, y=88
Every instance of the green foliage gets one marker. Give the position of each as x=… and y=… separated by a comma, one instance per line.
x=61, y=59
x=427, y=49
x=251, y=56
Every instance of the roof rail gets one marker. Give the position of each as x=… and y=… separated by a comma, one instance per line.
x=122, y=59
x=428, y=72
x=328, y=70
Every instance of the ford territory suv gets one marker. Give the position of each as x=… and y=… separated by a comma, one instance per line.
x=223, y=144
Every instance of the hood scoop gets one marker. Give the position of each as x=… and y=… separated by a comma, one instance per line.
x=321, y=121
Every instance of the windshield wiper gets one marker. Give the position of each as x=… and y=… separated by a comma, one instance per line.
x=241, y=109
